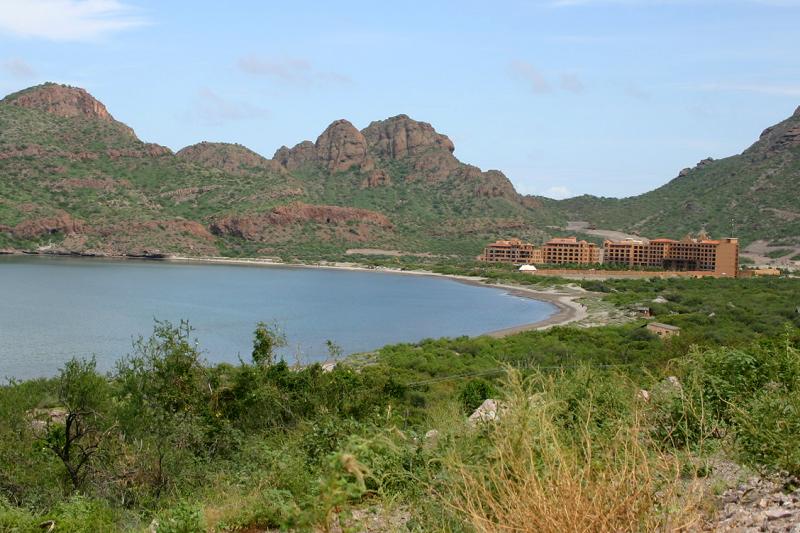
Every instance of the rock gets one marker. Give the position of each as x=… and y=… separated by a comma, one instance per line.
x=431, y=436
x=660, y=300
x=60, y=100
x=37, y=227
x=488, y=411
x=777, y=514
x=675, y=382
x=304, y=153
x=252, y=227
x=376, y=178
x=400, y=136
x=153, y=527
x=42, y=419
x=341, y=147
x=643, y=395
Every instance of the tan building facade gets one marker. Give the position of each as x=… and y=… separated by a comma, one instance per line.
x=720, y=257
x=570, y=251
x=554, y=252
x=511, y=251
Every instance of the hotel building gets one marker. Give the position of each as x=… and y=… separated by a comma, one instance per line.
x=570, y=251
x=553, y=252
x=511, y=251
x=721, y=257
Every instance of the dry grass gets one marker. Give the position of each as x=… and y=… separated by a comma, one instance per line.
x=541, y=478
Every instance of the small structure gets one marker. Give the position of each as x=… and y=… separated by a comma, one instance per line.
x=663, y=330
x=643, y=311
x=759, y=272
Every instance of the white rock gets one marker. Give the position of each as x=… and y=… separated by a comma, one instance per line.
x=487, y=412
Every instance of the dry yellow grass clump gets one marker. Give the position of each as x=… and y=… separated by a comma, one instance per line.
x=589, y=474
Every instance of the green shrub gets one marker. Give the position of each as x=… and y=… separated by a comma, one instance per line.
x=474, y=392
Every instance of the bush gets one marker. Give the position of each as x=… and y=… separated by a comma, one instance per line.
x=474, y=392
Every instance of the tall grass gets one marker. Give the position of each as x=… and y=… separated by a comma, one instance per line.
x=540, y=473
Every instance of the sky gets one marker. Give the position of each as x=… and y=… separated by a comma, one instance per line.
x=566, y=97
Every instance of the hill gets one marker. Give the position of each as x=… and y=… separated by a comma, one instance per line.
x=75, y=180
x=754, y=195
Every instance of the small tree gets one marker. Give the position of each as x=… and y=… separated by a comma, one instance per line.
x=268, y=337
x=82, y=392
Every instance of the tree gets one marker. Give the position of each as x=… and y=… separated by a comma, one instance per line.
x=82, y=392
x=268, y=337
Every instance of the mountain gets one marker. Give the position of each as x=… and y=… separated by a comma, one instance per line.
x=75, y=180
x=754, y=195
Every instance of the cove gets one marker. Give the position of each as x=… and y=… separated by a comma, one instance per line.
x=56, y=308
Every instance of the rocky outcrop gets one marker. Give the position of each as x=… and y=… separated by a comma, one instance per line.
x=143, y=150
x=779, y=138
x=60, y=100
x=304, y=153
x=495, y=184
x=376, y=178
x=489, y=411
x=342, y=147
x=38, y=227
x=400, y=136
x=251, y=227
x=230, y=158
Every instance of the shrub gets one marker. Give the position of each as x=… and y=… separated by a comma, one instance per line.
x=474, y=392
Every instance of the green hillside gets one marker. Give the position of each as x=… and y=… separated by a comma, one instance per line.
x=754, y=195
x=74, y=180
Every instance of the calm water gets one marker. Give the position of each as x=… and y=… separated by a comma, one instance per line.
x=52, y=309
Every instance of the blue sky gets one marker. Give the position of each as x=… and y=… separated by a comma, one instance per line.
x=607, y=97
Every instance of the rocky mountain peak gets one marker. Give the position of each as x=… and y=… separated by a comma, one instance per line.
x=341, y=147
x=60, y=100
x=780, y=137
x=400, y=136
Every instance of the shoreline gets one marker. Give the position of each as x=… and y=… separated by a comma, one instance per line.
x=567, y=310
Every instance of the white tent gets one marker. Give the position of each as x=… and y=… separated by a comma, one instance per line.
x=527, y=268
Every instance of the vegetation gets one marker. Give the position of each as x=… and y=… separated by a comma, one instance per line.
x=754, y=197
x=165, y=436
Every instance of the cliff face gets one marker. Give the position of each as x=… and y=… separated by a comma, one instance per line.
x=400, y=136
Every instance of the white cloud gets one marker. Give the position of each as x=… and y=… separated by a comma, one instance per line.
x=66, y=20
x=557, y=192
x=292, y=71
x=19, y=69
x=212, y=109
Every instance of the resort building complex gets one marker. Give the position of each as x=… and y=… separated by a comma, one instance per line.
x=570, y=251
x=512, y=251
x=553, y=252
x=703, y=255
